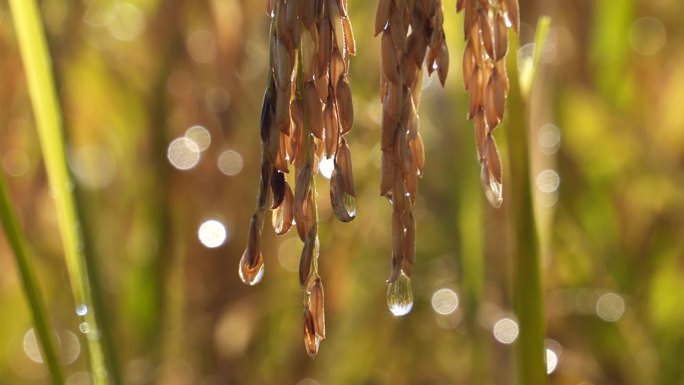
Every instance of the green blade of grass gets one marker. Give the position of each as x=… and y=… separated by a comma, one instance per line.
x=527, y=286
x=17, y=243
x=37, y=63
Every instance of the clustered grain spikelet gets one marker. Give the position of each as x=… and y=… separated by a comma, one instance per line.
x=306, y=113
x=486, y=24
x=411, y=35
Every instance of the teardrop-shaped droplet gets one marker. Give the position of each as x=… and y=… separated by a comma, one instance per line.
x=283, y=214
x=400, y=295
x=493, y=190
x=251, y=275
x=278, y=221
x=349, y=204
x=344, y=205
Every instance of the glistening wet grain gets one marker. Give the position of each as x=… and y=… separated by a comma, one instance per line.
x=306, y=114
x=411, y=39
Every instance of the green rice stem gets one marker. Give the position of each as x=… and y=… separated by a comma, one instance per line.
x=38, y=67
x=527, y=282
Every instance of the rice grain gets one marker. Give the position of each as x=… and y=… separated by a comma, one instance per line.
x=485, y=78
x=412, y=39
x=307, y=112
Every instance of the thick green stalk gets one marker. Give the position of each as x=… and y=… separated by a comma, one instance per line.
x=470, y=224
x=40, y=317
x=37, y=63
x=528, y=295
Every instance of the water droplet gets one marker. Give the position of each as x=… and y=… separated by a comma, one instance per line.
x=278, y=220
x=344, y=205
x=251, y=275
x=82, y=309
x=350, y=204
x=400, y=295
x=493, y=190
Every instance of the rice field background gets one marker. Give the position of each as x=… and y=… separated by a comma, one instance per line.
x=161, y=101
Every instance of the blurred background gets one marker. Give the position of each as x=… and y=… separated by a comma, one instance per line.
x=161, y=101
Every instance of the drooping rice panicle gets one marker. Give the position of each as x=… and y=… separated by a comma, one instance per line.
x=485, y=28
x=411, y=36
x=307, y=113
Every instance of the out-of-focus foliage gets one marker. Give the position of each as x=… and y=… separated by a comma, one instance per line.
x=608, y=133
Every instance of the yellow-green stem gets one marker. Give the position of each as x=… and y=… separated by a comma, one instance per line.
x=38, y=67
x=527, y=284
x=469, y=222
x=17, y=243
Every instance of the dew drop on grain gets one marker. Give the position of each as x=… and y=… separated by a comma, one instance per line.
x=400, y=295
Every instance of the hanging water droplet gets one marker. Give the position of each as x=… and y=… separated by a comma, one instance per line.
x=493, y=190
x=350, y=204
x=312, y=343
x=283, y=214
x=400, y=295
x=344, y=204
x=277, y=220
x=251, y=267
x=251, y=275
